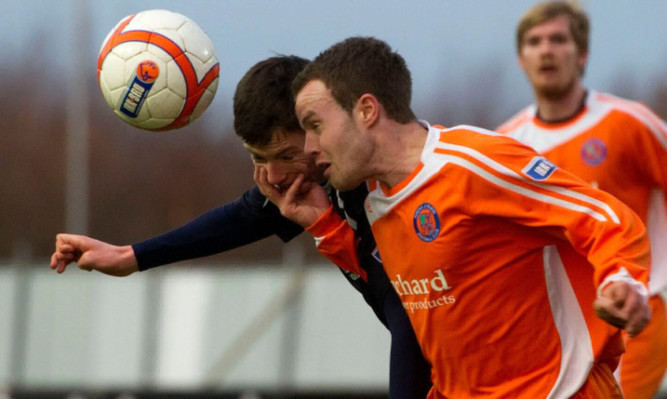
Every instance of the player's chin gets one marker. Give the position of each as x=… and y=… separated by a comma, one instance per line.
x=341, y=183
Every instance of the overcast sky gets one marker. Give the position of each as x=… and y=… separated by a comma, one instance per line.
x=442, y=40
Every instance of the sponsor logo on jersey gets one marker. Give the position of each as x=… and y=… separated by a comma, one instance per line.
x=539, y=168
x=426, y=222
x=424, y=286
x=594, y=151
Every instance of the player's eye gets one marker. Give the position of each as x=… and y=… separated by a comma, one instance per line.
x=558, y=39
x=532, y=41
x=258, y=160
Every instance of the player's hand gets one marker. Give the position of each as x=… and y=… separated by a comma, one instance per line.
x=623, y=306
x=303, y=202
x=91, y=254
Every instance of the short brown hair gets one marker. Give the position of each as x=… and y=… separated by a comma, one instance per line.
x=361, y=65
x=541, y=12
x=263, y=101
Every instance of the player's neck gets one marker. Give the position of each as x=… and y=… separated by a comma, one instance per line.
x=562, y=108
x=401, y=153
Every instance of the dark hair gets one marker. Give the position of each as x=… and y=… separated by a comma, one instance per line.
x=263, y=101
x=361, y=65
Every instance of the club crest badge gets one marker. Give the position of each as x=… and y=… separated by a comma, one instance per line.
x=426, y=222
x=594, y=151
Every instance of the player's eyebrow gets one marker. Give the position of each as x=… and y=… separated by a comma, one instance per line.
x=255, y=153
x=307, y=119
x=285, y=151
x=267, y=154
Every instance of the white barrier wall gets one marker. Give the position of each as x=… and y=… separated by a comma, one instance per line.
x=180, y=327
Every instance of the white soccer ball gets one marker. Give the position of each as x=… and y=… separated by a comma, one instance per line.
x=158, y=70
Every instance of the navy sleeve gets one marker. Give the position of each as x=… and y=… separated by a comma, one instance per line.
x=409, y=372
x=246, y=220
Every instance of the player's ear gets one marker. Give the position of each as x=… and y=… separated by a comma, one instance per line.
x=367, y=109
x=519, y=60
x=582, y=60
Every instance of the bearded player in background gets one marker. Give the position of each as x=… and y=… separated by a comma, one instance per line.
x=617, y=145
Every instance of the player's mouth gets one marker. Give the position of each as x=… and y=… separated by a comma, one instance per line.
x=325, y=167
x=548, y=69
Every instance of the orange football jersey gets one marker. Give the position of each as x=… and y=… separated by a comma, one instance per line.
x=497, y=256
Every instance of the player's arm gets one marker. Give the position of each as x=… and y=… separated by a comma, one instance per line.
x=614, y=240
x=246, y=220
x=532, y=191
x=335, y=239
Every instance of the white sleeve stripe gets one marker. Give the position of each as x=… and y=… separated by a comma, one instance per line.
x=581, y=197
x=509, y=172
x=526, y=192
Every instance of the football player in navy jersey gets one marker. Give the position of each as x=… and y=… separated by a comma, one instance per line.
x=264, y=118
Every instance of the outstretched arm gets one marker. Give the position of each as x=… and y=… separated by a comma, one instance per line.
x=246, y=220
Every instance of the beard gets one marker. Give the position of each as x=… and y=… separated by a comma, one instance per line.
x=343, y=181
x=555, y=91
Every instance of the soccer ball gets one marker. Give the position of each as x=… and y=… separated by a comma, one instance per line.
x=158, y=70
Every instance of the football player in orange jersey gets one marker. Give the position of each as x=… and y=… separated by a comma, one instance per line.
x=615, y=144
x=501, y=259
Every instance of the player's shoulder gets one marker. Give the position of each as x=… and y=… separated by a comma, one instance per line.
x=472, y=137
x=631, y=115
x=472, y=142
x=519, y=119
x=611, y=100
x=629, y=108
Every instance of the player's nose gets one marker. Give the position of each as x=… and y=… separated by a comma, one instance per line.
x=311, y=145
x=275, y=173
